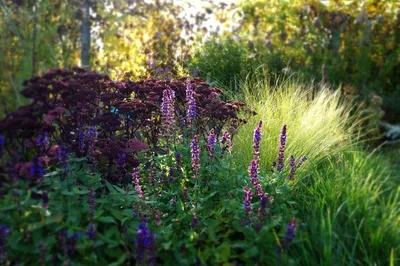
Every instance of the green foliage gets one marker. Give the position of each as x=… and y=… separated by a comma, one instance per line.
x=353, y=212
x=215, y=198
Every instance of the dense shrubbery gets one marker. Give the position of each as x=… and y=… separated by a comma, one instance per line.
x=98, y=171
x=352, y=44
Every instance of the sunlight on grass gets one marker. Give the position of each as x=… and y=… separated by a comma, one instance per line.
x=318, y=122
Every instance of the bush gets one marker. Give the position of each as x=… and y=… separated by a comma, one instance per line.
x=97, y=171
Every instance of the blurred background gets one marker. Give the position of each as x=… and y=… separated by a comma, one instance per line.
x=351, y=44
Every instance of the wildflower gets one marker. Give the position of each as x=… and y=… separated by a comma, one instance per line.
x=195, y=150
x=36, y=170
x=289, y=237
x=42, y=141
x=135, y=179
x=211, y=141
x=256, y=141
x=226, y=140
x=282, y=147
x=191, y=104
x=3, y=250
x=263, y=205
x=253, y=169
x=294, y=166
x=168, y=109
x=247, y=201
x=145, y=244
x=63, y=155
x=91, y=231
x=302, y=160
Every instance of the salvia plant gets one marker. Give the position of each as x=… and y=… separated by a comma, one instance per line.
x=95, y=171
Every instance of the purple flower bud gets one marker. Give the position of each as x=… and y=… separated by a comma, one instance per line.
x=168, y=109
x=195, y=150
x=282, y=147
x=211, y=141
x=42, y=141
x=253, y=169
x=36, y=170
x=302, y=160
x=145, y=243
x=292, y=165
x=91, y=231
x=256, y=142
x=226, y=141
x=289, y=237
x=195, y=72
x=135, y=180
x=190, y=104
x=247, y=202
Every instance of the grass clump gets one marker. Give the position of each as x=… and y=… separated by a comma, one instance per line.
x=319, y=123
x=352, y=210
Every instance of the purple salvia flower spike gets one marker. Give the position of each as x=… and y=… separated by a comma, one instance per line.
x=256, y=142
x=282, y=147
x=195, y=150
x=135, y=180
x=190, y=104
x=247, y=202
x=211, y=141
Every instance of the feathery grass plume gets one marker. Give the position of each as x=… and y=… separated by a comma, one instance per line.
x=211, y=141
x=136, y=182
x=319, y=118
x=195, y=150
x=282, y=147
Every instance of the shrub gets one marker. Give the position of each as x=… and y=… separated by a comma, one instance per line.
x=106, y=120
x=180, y=200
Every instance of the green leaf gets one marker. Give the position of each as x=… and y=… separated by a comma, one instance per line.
x=106, y=219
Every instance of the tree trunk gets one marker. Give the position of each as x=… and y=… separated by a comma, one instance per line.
x=85, y=50
x=34, y=38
